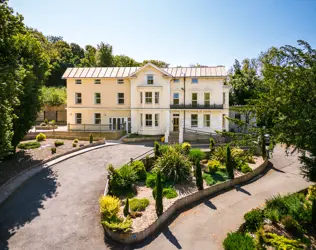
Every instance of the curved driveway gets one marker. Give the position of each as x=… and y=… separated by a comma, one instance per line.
x=58, y=208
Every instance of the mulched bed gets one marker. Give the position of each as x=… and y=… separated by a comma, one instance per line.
x=25, y=159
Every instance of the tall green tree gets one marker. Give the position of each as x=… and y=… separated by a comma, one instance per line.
x=160, y=64
x=159, y=197
x=289, y=75
x=104, y=56
x=198, y=175
x=124, y=61
x=89, y=59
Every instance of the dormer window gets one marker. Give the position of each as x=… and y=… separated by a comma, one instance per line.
x=120, y=81
x=150, y=79
x=194, y=81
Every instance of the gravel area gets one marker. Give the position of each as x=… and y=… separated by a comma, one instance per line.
x=25, y=159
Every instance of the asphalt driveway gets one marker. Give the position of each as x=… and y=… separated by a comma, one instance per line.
x=58, y=208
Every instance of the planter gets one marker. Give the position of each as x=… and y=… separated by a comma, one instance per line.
x=134, y=237
x=48, y=127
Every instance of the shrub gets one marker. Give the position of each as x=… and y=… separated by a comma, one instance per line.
x=238, y=241
x=196, y=154
x=290, y=224
x=139, y=168
x=91, y=138
x=186, y=148
x=213, y=166
x=174, y=166
x=53, y=150
x=311, y=194
x=208, y=179
x=280, y=242
x=147, y=163
x=118, y=224
x=76, y=140
x=41, y=137
x=169, y=193
x=254, y=219
x=150, y=179
x=157, y=149
x=159, y=204
x=74, y=145
x=212, y=147
x=46, y=121
x=52, y=122
x=198, y=175
x=126, y=208
x=29, y=145
x=109, y=206
x=272, y=214
x=58, y=143
x=229, y=163
x=164, y=149
x=138, y=204
x=123, y=178
x=220, y=154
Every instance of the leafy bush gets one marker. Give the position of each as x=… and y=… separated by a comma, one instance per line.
x=54, y=96
x=196, y=154
x=41, y=137
x=280, y=242
x=118, y=224
x=238, y=241
x=272, y=214
x=74, y=145
x=139, y=168
x=29, y=145
x=58, y=143
x=150, y=179
x=213, y=166
x=53, y=150
x=52, y=122
x=169, y=193
x=91, y=138
x=254, y=219
x=208, y=179
x=173, y=166
x=245, y=168
x=76, y=140
x=186, y=148
x=138, y=204
x=220, y=154
x=165, y=148
x=109, y=206
x=123, y=178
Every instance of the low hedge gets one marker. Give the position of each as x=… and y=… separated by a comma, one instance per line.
x=29, y=145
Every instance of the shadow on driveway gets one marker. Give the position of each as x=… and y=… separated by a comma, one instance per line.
x=25, y=204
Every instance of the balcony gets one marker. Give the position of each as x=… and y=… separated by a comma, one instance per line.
x=196, y=106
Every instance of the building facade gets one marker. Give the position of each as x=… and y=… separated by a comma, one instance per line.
x=148, y=99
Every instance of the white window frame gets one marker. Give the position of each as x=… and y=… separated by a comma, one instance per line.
x=120, y=81
x=150, y=81
x=156, y=120
x=77, y=98
x=97, y=99
x=149, y=99
x=141, y=97
x=197, y=121
x=209, y=100
x=148, y=120
x=207, y=122
x=97, y=118
x=120, y=98
x=97, y=81
x=156, y=97
x=173, y=99
x=194, y=81
x=78, y=81
x=78, y=120
x=141, y=120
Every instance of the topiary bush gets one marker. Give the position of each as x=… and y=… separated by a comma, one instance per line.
x=174, y=166
x=58, y=143
x=198, y=175
x=196, y=154
x=213, y=166
x=74, y=145
x=239, y=241
x=139, y=168
x=109, y=206
x=53, y=150
x=229, y=163
x=126, y=208
x=138, y=204
x=186, y=148
x=212, y=147
x=157, y=149
x=41, y=137
x=29, y=145
x=254, y=219
x=158, y=198
x=76, y=140
x=91, y=138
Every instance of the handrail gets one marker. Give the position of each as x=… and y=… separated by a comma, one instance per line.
x=144, y=154
x=199, y=132
x=196, y=106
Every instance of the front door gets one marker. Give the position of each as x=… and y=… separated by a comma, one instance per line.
x=176, y=124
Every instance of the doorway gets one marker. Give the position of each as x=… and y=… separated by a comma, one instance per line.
x=117, y=123
x=176, y=124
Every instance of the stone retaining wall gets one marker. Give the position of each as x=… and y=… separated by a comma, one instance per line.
x=128, y=238
x=152, y=138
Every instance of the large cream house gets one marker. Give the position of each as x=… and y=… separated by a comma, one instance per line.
x=150, y=100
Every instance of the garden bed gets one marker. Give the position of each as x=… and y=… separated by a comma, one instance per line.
x=47, y=127
x=177, y=166
x=26, y=158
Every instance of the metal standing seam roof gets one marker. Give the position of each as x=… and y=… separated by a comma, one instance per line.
x=122, y=72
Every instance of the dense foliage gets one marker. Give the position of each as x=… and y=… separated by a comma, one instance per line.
x=159, y=195
x=54, y=96
x=29, y=145
x=138, y=204
x=198, y=175
x=196, y=154
x=229, y=163
x=238, y=241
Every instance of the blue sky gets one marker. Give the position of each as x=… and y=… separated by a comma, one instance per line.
x=180, y=32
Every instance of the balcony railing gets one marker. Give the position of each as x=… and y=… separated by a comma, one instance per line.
x=196, y=106
x=96, y=127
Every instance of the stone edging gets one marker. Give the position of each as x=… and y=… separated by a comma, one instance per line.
x=129, y=238
x=153, y=138
x=9, y=187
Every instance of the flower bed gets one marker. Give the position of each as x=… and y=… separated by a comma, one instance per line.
x=179, y=185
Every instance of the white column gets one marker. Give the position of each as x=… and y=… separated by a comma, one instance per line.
x=181, y=131
x=167, y=117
